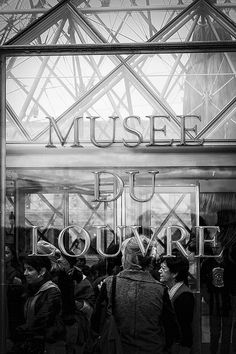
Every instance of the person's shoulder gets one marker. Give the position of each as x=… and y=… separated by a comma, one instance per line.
x=53, y=292
x=49, y=287
x=185, y=288
x=161, y=286
x=184, y=292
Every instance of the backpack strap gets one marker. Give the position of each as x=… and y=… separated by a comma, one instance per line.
x=113, y=293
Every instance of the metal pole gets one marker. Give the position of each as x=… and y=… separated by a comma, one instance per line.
x=118, y=48
x=2, y=201
x=97, y=10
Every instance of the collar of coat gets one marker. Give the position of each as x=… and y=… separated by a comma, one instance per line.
x=138, y=275
x=49, y=284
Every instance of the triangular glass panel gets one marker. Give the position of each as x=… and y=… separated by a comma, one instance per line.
x=121, y=98
x=130, y=21
x=61, y=25
x=164, y=74
x=198, y=84
x=209, y=85
x=199, y=22
x=223, y=128
x=16, y=15
x=38, y=87
x=64, y=31
x=44, y=209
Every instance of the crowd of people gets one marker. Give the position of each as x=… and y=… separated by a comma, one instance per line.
x=56, y=302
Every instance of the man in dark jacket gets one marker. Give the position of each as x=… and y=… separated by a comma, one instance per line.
x=143, y=311
x=174, y=273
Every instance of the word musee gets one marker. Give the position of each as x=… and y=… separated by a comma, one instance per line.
x=185, y=138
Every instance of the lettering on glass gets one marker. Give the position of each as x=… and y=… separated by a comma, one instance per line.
x=156, y=128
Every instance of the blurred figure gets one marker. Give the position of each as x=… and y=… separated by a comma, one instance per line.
x=114, y=265
x=174, y=273
x=143, y=310
x=81, y=263
x=15, y=290
x=84, y=304
x=99, y=273
x=216, y=294
x=219, y=284
x=43, y=330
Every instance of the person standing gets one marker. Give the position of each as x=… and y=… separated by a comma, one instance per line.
x=14, y=292
x=43, y=330
x=174, y=273
x=143, y=311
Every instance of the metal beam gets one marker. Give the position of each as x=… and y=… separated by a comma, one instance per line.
x=121, y=48
x=2, y=205
x=96, y=10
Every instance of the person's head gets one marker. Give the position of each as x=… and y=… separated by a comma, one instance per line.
x=8, y=254
x=36, y=269
x=45, y=247
x=11, y=256
x=132, y=256
x=174, y=269
x=53, y=253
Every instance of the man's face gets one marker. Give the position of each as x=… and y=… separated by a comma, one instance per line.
x=165, y=275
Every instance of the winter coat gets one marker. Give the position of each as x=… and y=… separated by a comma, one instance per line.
x=43, y=323
x=143, y=313
x=183, y=303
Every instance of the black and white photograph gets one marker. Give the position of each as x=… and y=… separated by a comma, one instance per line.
x=118, y=176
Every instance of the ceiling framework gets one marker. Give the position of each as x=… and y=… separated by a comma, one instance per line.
x=71, y=63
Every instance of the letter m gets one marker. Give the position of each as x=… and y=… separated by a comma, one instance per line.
x=53, y=125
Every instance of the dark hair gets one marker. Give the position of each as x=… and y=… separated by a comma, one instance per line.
x=38, y=262
x=178, y=264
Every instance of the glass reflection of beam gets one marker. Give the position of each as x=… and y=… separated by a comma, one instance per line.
x=53, y=209
x=172, y=210
x=167, y=218
x=217, y=120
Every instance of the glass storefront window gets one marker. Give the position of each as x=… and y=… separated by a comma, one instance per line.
x=151, y=209
x=199, y=86
x=104, y=146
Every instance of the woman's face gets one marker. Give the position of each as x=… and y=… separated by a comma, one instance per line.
x=165, y=274
x=32, y=276
x=8, y=254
